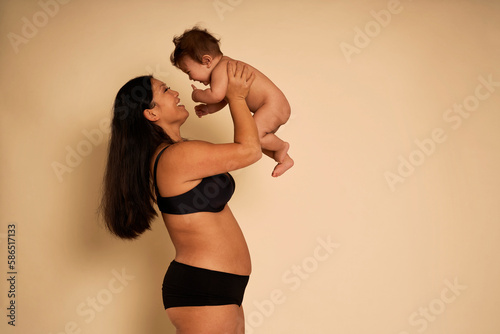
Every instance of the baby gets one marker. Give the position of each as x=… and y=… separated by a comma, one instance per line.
x=197, y=54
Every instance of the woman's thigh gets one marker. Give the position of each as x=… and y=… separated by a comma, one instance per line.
x=220, y=319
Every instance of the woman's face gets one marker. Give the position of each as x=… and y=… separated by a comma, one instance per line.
x=167, y=103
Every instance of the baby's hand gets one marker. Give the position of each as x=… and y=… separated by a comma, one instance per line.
x=195, y=93
x=205, y=109
x=201, y=110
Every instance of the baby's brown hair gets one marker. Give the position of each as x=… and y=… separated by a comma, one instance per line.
x=195, y=43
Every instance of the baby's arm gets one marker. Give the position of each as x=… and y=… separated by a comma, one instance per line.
x=218, y=86
x=205, y=109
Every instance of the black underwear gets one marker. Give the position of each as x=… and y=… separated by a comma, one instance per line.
x=185, y=285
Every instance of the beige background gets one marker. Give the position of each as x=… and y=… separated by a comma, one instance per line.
x=418, y=257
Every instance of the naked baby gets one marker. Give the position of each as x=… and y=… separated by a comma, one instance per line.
x=197, y=53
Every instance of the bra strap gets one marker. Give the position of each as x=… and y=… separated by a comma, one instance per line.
x=156, y=165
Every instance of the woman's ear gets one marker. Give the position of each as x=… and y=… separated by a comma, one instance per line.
x=151, y=115
x=207, y=60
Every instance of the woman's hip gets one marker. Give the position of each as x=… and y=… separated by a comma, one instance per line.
x=186, y=285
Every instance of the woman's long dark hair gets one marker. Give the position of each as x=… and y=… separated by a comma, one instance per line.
x=128, y=195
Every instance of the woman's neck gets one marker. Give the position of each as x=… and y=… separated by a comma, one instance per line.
x=173, y=131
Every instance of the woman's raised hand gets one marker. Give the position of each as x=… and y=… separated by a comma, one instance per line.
x=240, y=78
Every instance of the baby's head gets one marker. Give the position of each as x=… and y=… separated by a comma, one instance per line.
x=194, y=53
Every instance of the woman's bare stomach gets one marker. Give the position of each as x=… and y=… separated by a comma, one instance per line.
x=209, y=240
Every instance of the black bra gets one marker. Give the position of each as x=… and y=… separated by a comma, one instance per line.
x=210, y=195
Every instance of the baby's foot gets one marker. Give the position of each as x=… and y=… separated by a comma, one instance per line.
x=280, y=156
x=283, y=167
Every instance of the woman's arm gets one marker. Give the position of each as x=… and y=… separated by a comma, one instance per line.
x=192, y=160
x=245, y=129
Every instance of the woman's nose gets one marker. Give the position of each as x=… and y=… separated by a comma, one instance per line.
x=174, y=92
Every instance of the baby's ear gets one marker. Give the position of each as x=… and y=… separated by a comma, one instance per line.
x=207, y=60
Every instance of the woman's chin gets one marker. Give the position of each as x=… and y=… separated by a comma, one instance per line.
x=183, y=109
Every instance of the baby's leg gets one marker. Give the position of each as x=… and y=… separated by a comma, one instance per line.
x=282, y=167
x=267, y=123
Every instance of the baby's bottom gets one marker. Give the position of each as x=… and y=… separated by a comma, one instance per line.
x=268, y=120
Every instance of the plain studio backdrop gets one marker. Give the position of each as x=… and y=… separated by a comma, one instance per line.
x=388, y=223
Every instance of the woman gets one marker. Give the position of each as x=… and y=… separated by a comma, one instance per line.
x=150, y=161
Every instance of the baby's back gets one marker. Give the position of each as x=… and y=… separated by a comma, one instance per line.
x=263, y=90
